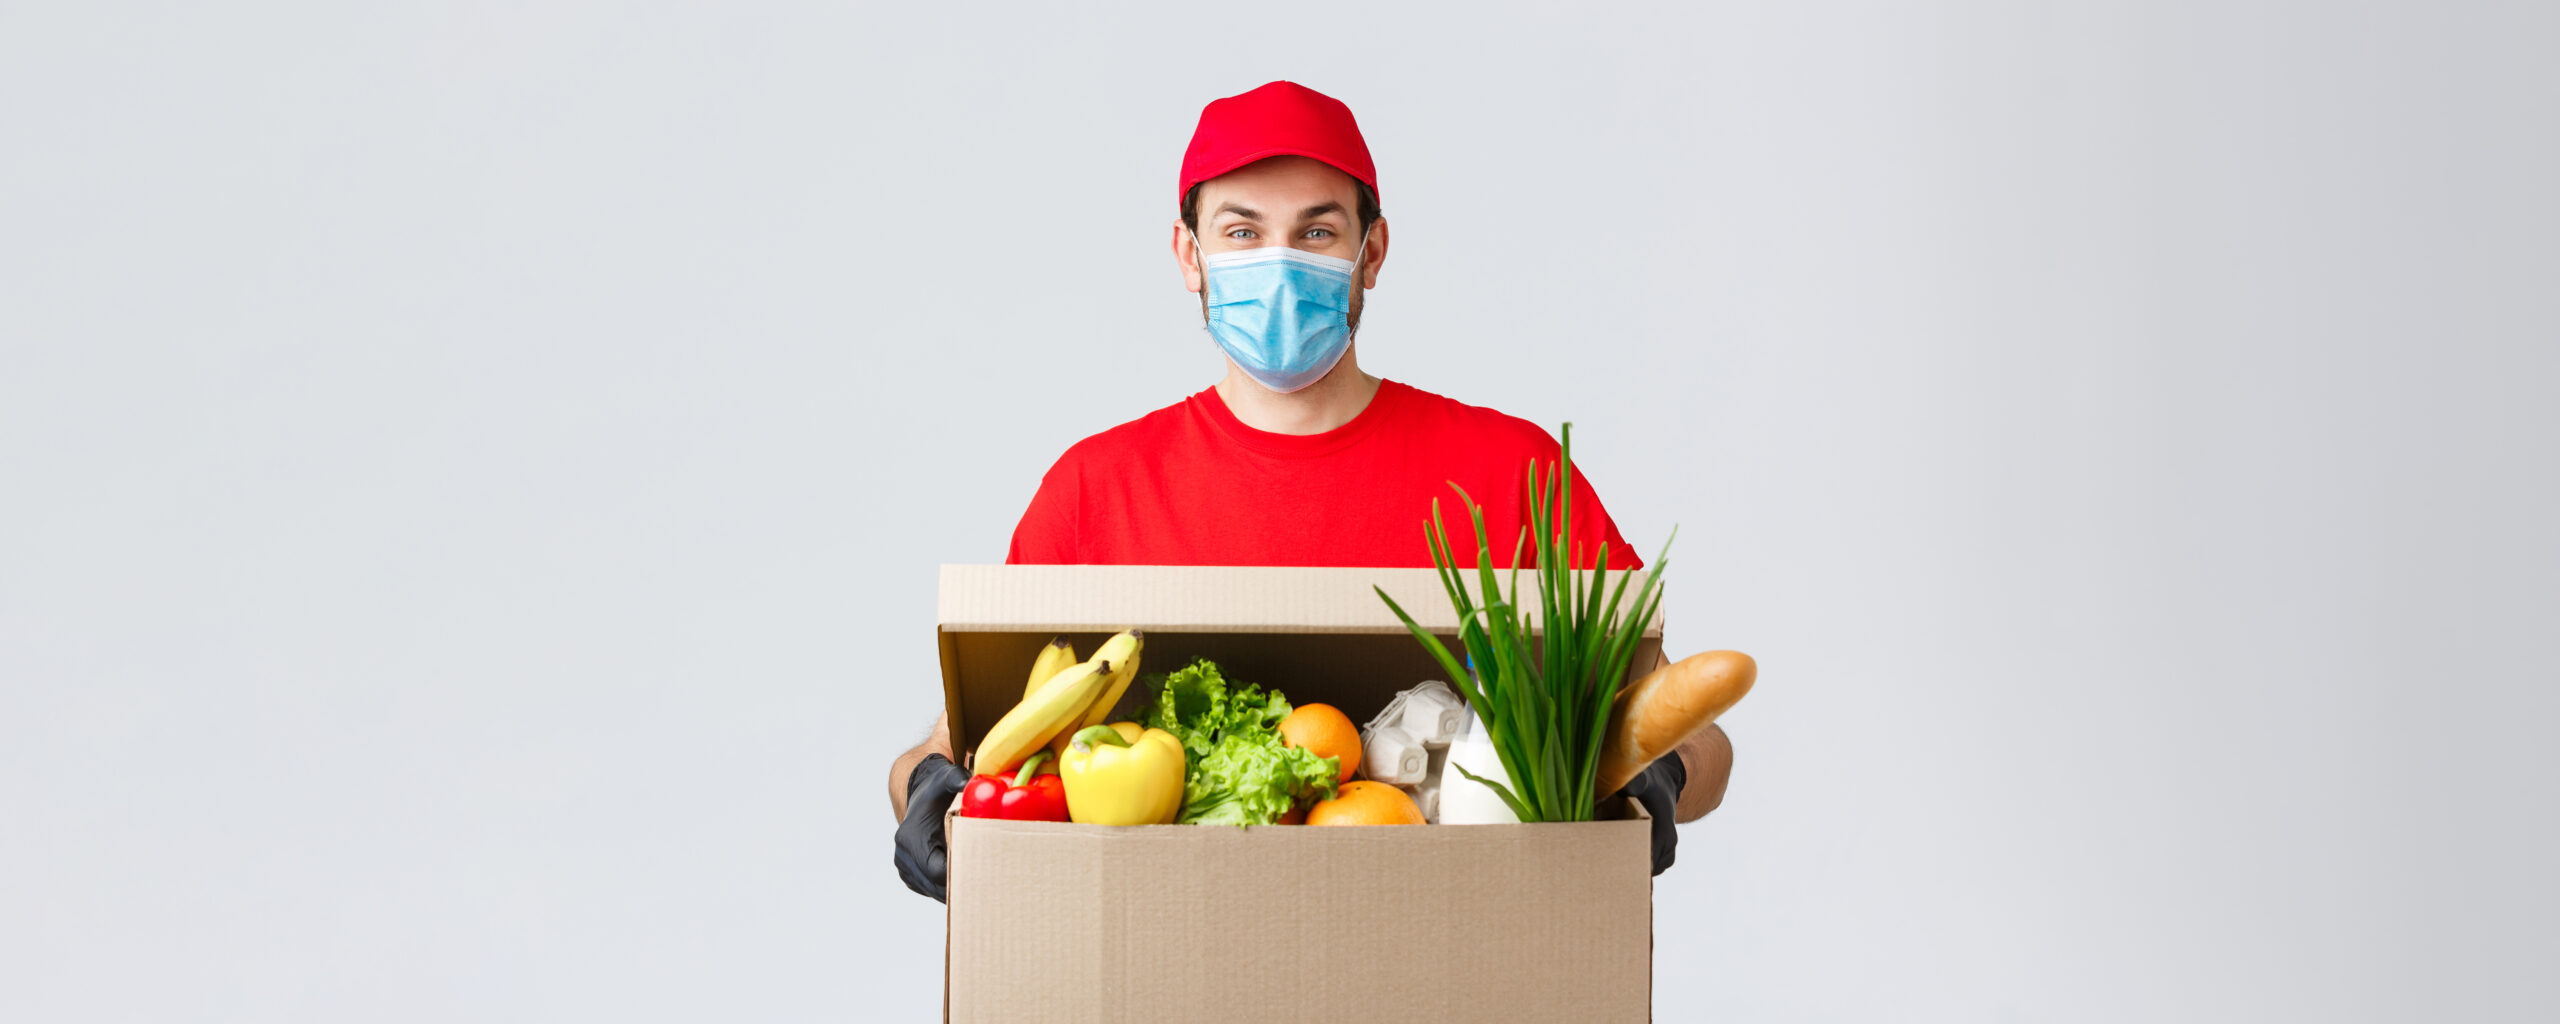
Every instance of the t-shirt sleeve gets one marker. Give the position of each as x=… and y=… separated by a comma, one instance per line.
x=1047, y=533
x=1592, y=526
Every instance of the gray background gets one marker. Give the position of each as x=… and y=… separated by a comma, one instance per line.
x=471, y=477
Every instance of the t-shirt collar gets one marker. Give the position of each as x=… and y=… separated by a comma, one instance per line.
x=1381, y=406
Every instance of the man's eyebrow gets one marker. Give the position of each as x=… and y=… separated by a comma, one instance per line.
x=1319, y=210
x=1225, y=208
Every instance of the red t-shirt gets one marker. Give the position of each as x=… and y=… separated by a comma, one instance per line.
x=1189, y=484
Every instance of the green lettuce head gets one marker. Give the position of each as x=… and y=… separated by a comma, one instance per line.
x=1240, y=773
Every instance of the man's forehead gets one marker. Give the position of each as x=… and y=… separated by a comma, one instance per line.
x=1278, y=187
x=1237, y=208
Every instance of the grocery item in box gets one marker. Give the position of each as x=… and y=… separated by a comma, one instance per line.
x=1394, y=757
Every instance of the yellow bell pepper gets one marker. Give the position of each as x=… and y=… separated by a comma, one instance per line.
x=1123, y=774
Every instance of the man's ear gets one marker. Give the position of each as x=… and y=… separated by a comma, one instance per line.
x=1376, y=253
x=1186, y=256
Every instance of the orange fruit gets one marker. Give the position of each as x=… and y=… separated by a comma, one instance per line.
x=1366, y=803
x=1324, y=729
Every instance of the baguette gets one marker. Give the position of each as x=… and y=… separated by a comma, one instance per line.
x=1665, y=708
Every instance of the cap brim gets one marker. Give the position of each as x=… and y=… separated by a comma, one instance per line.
x=1268, y=154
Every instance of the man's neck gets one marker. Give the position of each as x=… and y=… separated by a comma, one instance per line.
x=1314, y=409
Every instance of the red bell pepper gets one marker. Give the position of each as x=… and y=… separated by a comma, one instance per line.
x=1027, y=796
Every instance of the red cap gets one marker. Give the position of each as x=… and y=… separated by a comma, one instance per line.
x=1279, y=119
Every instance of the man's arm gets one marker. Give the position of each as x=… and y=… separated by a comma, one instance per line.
x=939, y=742
x=1709, y=758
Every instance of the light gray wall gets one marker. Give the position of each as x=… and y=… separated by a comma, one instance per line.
x=470, y=479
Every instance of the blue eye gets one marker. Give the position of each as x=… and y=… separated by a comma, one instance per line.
x=1240, y=234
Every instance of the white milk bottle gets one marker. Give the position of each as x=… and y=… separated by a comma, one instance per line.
x=1464, y=801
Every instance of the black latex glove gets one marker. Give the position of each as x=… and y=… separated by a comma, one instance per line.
x=1657, y=787
x=920, y=848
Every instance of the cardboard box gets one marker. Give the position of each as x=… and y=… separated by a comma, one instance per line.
x=1061, y=922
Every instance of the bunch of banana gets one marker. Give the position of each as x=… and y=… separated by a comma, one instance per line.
x=1062, y=697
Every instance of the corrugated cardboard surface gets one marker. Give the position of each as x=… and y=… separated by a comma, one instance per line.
x=1057, y=922
x=1214, y=599
x=1474, y=923
x=1209, y=599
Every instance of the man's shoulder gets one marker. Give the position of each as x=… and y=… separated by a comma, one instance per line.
x=1144, y=434
x=1483, y=424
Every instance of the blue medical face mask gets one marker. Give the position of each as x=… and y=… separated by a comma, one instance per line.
x=1282, y=314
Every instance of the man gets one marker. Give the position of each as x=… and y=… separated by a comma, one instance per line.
x=1295, y=456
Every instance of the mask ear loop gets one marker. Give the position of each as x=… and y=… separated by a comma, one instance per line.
x=1359, y=262
x=1200, y=265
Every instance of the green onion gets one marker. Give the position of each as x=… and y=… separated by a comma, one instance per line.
x=1543, y=697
